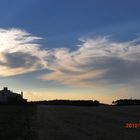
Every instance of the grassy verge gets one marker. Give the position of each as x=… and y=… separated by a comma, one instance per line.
x=15, y=122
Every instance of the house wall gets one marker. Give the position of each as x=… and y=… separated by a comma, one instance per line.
x=5, y=96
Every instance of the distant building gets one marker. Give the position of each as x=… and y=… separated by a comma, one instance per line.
x=7, y=96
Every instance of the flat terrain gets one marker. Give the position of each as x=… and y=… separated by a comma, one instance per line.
x=15, y=122
x=86, y=123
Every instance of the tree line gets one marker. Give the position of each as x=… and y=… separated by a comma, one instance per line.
x=126, y=102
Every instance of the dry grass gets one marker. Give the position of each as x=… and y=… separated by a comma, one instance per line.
x=15, y=122
x=87, y=123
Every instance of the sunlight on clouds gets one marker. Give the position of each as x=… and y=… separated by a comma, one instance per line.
x=81, y=79
x=19, y=53
x=13, y=40
x=97, y=61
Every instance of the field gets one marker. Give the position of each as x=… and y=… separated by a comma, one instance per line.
x=87, y=123
x=15, y=122
x=46, y=122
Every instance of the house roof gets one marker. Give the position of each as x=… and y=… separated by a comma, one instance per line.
x=8, y=92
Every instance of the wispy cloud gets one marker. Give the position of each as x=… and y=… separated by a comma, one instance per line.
x=96, y=61
x=19, y=52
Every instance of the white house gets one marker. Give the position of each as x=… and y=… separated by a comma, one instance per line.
x=7, y=96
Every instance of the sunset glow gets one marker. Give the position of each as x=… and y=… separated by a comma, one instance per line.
x=71, y=50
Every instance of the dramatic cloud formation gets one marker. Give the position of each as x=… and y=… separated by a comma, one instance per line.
x=95, y=62
x=19, y=52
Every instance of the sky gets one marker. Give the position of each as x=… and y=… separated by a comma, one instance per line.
x=77, y=49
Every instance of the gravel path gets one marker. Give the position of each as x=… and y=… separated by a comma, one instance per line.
x=86, y=123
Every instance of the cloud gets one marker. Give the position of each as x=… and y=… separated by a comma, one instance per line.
x=19, y=52
x=96, y=61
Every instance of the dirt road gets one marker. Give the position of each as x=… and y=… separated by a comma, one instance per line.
x=86, y=123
